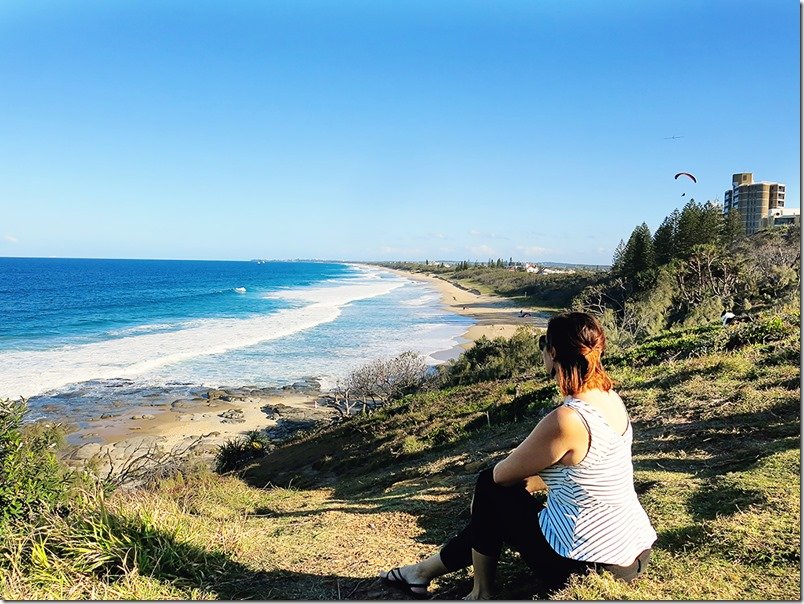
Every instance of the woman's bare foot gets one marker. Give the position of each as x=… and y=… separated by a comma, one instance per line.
x=477, y=594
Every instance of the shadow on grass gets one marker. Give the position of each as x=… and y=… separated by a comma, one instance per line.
x=182, y=565
x=132, y=543
x=677, y=378
x=722, y=444
x=721, y=500
x=685, y=538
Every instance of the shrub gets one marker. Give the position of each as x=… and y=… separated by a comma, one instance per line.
x=760, y=331
x=31, y=478
x=235, y=452
x=379, y=382
x=495, y=359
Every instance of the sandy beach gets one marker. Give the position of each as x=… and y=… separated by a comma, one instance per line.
x=495, y=316
x=199, y=425
x=196, y=427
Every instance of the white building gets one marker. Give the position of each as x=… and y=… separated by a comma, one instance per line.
x=781, y=217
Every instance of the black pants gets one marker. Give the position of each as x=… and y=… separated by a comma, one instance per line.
x=510, y=516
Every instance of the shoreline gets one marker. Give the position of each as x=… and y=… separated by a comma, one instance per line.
x=198, y=426
x=495, y=315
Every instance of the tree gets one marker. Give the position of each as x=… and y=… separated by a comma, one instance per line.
x=687, y=229
x=381, y=381
x=617, y=258
x=638, y=255
x=664, y=239
x=709, y=272
x=697, y=225
x=733, y=229
x=711, y=227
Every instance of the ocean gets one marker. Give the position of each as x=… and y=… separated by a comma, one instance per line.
x=79, y=336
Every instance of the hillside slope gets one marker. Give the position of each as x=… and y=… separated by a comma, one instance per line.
x=716, y=415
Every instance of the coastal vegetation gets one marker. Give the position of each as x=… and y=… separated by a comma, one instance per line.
x=697, y=265
x=543, y=291
x=716, y=415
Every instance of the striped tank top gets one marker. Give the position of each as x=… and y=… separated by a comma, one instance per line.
x=592, y=512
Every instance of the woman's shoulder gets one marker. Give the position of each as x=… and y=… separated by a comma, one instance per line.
x=608, y=405
x=567, y=418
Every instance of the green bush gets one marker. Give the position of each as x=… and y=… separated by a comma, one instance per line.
x=768, y=328
x=669, y=346
x=237, y=451
x=760, y=331
x=496, y=359
x=31, y=478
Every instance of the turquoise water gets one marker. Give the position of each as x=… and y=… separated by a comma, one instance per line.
x=77, y=335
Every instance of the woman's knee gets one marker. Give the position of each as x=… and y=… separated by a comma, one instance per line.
x=487, y=492
x=485, y=480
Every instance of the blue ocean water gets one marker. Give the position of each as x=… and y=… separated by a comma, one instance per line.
x=77, y=335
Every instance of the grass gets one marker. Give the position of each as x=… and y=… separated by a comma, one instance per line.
x=717, y=468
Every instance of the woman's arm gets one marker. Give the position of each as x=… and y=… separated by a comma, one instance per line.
x=559, y=436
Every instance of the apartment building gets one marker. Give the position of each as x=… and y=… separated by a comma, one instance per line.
x=753, y=200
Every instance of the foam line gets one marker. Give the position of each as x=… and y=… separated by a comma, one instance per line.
x=28, y=373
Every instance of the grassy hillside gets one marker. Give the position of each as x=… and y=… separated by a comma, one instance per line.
x=716, y=416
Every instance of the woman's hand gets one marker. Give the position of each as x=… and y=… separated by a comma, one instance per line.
x=534, y=483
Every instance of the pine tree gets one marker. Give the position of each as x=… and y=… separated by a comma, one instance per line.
x=711, y=227
x=638, y=255
x=664, y=239
x=687, y=232
x=698, y=224
x=733, y=229
x=617, y=258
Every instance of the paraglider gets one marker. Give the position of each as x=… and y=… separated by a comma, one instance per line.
x=695, y=180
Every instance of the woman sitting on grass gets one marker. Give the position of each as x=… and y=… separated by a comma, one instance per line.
x=581, y=453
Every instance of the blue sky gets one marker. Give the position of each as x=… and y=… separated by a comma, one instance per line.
x=383, y=129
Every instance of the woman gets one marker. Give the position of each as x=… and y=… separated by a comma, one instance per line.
x=581, y=453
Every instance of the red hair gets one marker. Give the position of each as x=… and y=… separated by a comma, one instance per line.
x=578, y=342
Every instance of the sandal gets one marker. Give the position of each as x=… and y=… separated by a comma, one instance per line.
x=395, y=579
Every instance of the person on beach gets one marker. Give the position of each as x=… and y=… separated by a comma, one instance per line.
x=581, y=453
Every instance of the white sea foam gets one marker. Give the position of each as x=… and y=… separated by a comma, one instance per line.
x=27, y=373
x=137, y=329
x=422, y=300
x=341, y=294
x=432, y=341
